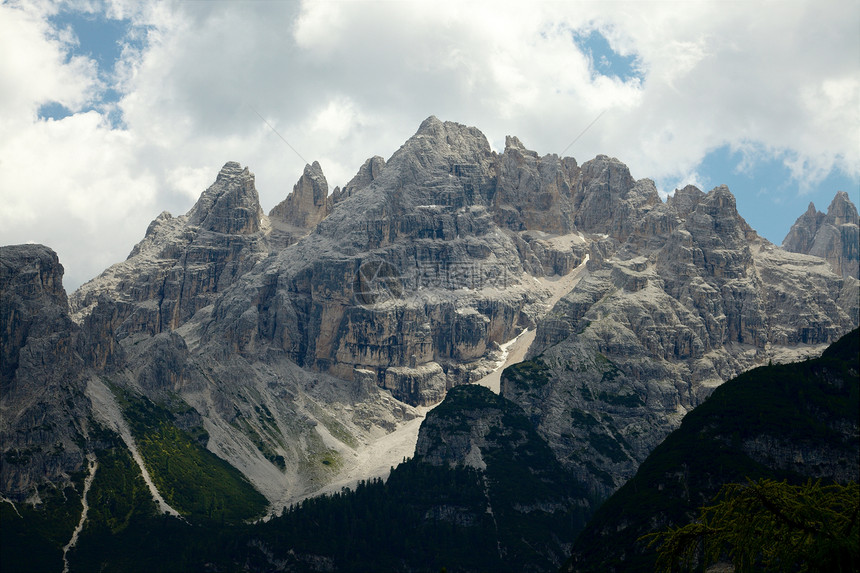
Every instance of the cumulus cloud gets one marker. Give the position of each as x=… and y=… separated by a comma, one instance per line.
x=342, y=81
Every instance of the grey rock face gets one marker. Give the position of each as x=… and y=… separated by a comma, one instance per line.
x=231, y=205
x=367, y=173
x=405, y=286
x=686, y=298
x=309, y=202
x=834, y=237
x=183, y=263
x=43, y=409
x=534, y=193
x=408, y=274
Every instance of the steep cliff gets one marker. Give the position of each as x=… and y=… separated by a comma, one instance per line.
x=834, y=237
x=794, y=422
x=43, y=409
x=686, y=297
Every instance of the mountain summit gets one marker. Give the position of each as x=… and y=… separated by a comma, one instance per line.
x=834, y=236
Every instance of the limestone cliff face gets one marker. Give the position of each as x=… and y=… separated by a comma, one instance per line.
x=43, y=409
x=309, y=202
x=183, y=263
x=834, y=237
x=231, y=205
x=408, y=278
x=334, y=313
x=685, y=297
x=534, y=193
x=367, y=173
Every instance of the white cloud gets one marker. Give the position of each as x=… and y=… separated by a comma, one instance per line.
x=342, y=81
x=34, y=70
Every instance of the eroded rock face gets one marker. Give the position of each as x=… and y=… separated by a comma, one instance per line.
x=309, y=202
x=42, y=406
x=403, y=286
x=534, y=193
x=834, y=237
x=409, y=273
x=231, y=205
x=688, y=297
x=367, y=173
x=183, y=263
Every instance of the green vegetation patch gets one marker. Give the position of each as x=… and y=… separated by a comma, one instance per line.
x=195, y=481
x=529, y=373
x=118, y=492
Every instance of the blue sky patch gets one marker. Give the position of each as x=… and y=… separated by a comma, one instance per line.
x=767, y=196
x=101, y=39
x=53, y=110
x=605, y=60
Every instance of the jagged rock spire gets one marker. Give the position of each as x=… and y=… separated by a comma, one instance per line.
x=367, y=173
x=834, y=236
x=309, y=202
x=231, y=205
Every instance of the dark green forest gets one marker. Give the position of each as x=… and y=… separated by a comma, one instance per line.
x=428, y=517
x=809, y=408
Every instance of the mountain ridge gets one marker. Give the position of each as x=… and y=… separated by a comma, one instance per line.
x=285, y=344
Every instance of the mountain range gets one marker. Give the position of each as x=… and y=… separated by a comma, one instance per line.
x=237, y=363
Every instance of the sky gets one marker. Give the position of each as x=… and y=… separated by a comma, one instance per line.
x=112, y=111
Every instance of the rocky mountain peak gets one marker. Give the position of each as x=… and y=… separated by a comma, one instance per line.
x=231, y=170
x=684, y=200
x=717, y=214
x=33, y=271
x=367, y=173
x=513, y=143
x=309, y=202
x=599, y=200
x=842, y=211
x=231, y=205
x=834, y=236
x=450, y=140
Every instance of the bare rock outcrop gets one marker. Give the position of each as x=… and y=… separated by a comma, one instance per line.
x=834, y=237
x=688, y=297
x=309, y=203
x=183, y=263
x=231, y=205
x=334, y=313
x=367, y=173
x=43, y=409
x=408, y=274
